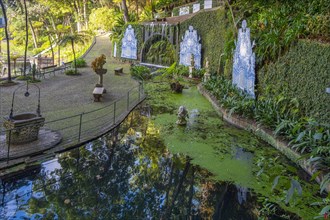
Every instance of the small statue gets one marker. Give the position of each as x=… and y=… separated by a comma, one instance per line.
x=207, y=74
x=192, y=65
x=182, y=115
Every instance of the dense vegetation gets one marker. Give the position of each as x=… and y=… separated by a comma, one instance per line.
x=292, y=72
x=302, y=73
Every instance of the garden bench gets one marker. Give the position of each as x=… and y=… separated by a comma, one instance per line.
x=97, y=93
x=60, y=68
x=118, y=70
x=47, y=69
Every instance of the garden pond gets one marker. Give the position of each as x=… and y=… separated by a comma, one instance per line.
x=151, y=168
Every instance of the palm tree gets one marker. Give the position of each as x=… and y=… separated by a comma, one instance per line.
x=7, y=39
x=74, y=38
x=59, y=32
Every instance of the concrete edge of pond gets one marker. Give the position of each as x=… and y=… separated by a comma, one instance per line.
x=262, y=132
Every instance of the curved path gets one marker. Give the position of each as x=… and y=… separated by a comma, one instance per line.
x=68, y=106
x=63, y=96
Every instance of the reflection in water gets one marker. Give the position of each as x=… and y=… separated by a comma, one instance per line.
x=129, y=174
x=121, y=178
x=247, y=157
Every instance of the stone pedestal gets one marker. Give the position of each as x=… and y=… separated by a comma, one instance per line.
x=207, y=77
x=23, y=128
x=191, y=69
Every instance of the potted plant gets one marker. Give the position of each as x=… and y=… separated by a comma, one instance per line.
x=97, y=66
x=172, y=74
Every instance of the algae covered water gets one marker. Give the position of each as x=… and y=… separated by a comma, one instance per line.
x=150, y=168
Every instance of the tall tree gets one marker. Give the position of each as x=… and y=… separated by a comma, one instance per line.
x=7, y=39
x=26, y=37
x=73, y=38
x=125, y=11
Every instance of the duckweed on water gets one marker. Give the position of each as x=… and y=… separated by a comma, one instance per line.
x=229, y=153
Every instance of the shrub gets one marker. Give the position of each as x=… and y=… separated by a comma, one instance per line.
x=182, y=70
x=304, y=79
x=80, y=63
x=71, y=72
x=198, y=73
x=24, y=78
x=28, y=78
x=162, y=52
x=98, y=63
x=140, y=72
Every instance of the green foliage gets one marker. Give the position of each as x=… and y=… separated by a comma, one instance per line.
x=282, y=115
x=99, y=62
x=295, y=187
x=80, y=63
x=28, y=78
x=303, y=74
x=313, y=136
x=71, y=72
x=198, y=73
x=271, y=111
x=230, y=97
x=117, y=31
x=214, y=36
x=275, y=25
x=162, y=52
x=102, y=19
x=140, y=72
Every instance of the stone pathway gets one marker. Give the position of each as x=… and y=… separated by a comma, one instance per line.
x=63, y=96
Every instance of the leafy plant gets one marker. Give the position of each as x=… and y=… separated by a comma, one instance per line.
x=140, y=72
x=162, y=52
x=71, y=72
x=99, y=62
x=295, y=187
x=313, y=136
x=198, y=73
x=80, y=63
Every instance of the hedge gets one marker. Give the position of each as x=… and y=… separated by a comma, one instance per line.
x=214, y=29
x=302, y=73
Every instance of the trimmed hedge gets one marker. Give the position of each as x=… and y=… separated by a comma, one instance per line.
x=214, y=28
x=302, y=73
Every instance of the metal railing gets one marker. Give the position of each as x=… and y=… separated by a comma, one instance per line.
x=75, y=130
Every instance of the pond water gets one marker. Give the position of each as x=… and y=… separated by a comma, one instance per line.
x=149, y=168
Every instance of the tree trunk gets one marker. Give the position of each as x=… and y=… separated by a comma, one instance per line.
x=26, y=38
x=54, y=26
x=7, y=39
x=15, y=59
x=125, y=11
x=232, y=16
x=78, y=14
x=58, y=53
x=34, y=37
x=137, y=8
x=51, y=48
x=85, y=14
x=74, y=57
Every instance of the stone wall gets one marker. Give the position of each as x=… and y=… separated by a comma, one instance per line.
x=261, y=132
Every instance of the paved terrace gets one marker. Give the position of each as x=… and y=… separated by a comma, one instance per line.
x=65, y=96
